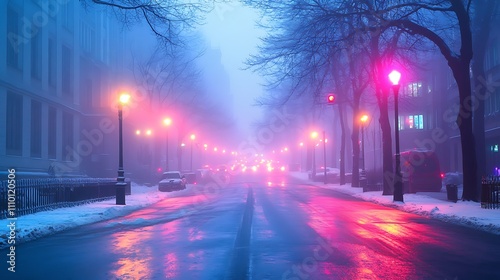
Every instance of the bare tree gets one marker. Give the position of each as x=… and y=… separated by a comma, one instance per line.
x=438, y=21
x=304, y=49
x=168, y=20
x=419, y=19
x=324, y=47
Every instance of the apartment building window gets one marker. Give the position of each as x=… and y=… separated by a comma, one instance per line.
x=102, y=42
x=52, y=133
x=411, y=122
x=413, y=89
x=15, y=40
x=492, y=104
x=67, y=15
x=14, y=128
x=492, y=57
x=67, y=135
x=86, y=37
x=494, y=148
x=67, y=68
x=36, y=129
x=36, y=57
x=52, y=63
x=86, y=93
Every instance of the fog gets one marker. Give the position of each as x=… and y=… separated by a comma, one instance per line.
x=68, y=62
x=231, y=28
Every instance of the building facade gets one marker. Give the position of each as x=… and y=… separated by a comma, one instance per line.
x=56, y=81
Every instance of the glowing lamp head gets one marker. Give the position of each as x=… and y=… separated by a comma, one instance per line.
x=394, y=77
x=193, y=136
x=167, y=121
x=124, y=98
x=364, y=118
x=314, y=134
x=331, y=98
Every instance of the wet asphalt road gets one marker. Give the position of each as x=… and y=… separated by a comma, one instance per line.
x=262, y=227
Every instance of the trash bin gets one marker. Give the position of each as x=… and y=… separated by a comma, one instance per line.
x=452, y=192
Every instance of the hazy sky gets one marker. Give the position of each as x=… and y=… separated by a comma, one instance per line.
x=231, y=27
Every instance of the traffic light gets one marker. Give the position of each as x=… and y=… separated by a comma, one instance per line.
x=331, y=98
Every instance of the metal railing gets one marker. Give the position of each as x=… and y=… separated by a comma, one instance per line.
x=29, y=196
x=490, y=192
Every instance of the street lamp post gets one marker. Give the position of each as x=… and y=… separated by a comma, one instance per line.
x=192, y=141
x=120, y=181
x=324, y=155
x=301, y=144
x=314, y=135
x=180, y=155
x=167, y=122
x=394, y=77
x=363, y=119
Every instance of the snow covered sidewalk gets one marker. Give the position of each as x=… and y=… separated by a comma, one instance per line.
x=44, y=223
x=426, y=204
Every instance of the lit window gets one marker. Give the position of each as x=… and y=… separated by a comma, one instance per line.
x=411, y=122
x=413, y=89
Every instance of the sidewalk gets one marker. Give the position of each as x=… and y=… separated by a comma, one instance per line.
x=429, y=204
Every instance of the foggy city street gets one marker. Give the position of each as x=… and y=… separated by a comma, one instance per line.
x=249, y=139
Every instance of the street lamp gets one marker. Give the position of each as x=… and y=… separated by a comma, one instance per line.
x=192, y=141
x=120, y=181
x=394, y=77
x=167, y=122
x=314, y=135
x=324, y=155
x=363, y=119
x=301, y=144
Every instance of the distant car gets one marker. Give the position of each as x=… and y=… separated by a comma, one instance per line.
x=172, y=181
x=221, y=169
x=190, y=177
x=203, y=175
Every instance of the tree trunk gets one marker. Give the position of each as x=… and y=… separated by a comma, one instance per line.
x=385, y=126
x=355, y=144
x=464, y=121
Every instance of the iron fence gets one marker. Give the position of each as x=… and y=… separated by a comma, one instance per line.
x=490, y=192
x=28, y=196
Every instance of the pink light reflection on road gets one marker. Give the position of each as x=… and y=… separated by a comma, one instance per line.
x=377, y=244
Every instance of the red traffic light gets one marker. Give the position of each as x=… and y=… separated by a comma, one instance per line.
x=331, y=98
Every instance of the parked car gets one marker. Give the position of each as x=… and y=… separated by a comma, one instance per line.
x=190, y=177
x=203, y=175
x=421, y=171
x=172, y=181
